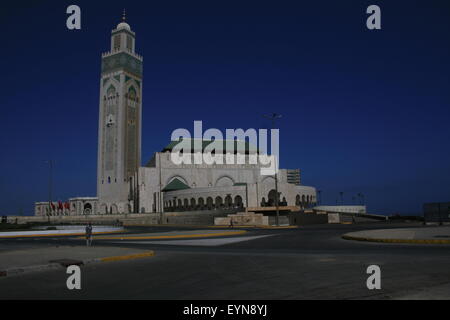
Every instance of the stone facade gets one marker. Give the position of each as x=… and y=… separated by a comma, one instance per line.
x=214, y=186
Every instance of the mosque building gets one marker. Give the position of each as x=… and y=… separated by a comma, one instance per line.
x=124, y=186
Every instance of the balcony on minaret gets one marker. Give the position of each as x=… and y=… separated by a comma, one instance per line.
x=113, y=52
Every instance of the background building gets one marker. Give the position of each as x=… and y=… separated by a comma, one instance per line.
x=436, y=212
x=293, y=176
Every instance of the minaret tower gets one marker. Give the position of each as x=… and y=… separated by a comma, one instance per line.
x=119, y=132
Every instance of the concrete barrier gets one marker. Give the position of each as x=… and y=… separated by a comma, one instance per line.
x=282, y=220
x=243, y=219
x=300, y=218
x=204, y=217
x=334, y=218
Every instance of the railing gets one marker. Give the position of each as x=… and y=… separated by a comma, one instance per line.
x=115, y=51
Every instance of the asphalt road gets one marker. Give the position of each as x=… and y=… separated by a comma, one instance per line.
x=311, y=262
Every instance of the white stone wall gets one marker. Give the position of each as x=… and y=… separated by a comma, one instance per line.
x=212, y=181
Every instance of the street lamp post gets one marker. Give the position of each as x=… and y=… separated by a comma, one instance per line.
x=50, y=163
x=273, y=117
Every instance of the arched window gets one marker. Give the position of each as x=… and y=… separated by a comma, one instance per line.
x=228, y=201
x=116, y=42
x=272, y=198
x=201, y=203
x=87, y=209
x=129, y=42
x=111, y=91
x=132, y=93
x=210, y=203
x=219, y=202
x=238, y=202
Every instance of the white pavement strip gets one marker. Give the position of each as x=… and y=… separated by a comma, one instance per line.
x=62, y=230
x=199, y=242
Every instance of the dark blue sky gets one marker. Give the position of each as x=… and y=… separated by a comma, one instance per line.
x=363, y=111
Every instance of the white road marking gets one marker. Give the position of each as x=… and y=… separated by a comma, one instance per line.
x=68, y=231
x=199, y=242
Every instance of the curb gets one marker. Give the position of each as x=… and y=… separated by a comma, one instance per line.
x=253, y=227
x=209, y=226
x=59, y=234
x=22, y=270
x=181, y=236
x=414, y=241
x=280, y=227
x=129, y=256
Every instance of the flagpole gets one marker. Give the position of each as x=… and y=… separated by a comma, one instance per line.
x=50, y=162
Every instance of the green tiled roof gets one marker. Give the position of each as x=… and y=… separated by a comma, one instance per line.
x=176, y=184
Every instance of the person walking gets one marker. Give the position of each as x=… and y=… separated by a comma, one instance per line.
x=89, y=235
